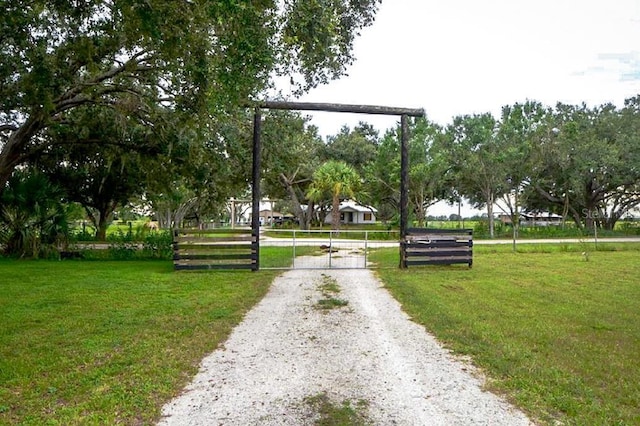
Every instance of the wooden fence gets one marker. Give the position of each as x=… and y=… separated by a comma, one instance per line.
x=425, y=246
x=195, y=249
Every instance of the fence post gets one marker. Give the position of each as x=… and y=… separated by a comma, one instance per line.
x=404, y=186
x=293, y=261
x=330, y=246
x=366, y=240
x=255, y=187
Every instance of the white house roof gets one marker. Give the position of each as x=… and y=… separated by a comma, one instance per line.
x=350, y=205
x=541, y=215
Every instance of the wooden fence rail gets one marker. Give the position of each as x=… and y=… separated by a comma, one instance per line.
x=426, y=246
x=195, y=249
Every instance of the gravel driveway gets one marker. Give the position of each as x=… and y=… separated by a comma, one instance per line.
x=291, y=349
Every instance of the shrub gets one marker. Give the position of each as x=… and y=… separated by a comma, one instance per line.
x=158, y=245
x=121, y=246
x=33, y=220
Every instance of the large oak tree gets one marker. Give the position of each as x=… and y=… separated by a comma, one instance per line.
x=475, y=156
x=201, y=56
x=588, y=165
x=291, y=154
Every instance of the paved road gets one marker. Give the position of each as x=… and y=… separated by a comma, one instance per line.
x=271, y=241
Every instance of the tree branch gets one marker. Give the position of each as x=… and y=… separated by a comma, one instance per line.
x=81, y=99
x=99, y=79
x=8, y=128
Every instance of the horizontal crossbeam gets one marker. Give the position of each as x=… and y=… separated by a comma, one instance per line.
x=329, y=107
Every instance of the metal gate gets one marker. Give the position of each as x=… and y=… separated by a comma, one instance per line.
x=256, y=168
x=319, y=249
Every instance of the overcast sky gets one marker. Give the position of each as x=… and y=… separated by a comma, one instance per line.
x=459, y=57
x=472, y=56
x=455, y=57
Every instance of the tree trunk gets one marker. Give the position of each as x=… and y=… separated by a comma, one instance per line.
x=490, y=201
x=101, y=230
x=304, y=218
x=420, y=210
x=335, y=213
x=181, y=212
x=105, y=213
x=8, y=161
x=11, y=154
x=591, y=214
x=164, y=218
x=515, y=220
x=308, y=216
x=577, y=218
x=322, y=215
x=611, y=220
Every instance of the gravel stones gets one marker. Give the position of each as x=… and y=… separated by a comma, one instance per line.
x=366, y=351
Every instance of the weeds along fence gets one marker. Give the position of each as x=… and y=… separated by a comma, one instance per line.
x=322, y=249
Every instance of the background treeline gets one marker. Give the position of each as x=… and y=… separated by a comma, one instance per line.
x=580, y=162
x=105, y=103
x=116, y=108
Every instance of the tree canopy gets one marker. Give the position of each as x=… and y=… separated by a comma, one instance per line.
x=290, y=156
x=202, y=56
x=588, y=163
x=335, y=180
x=157, y=88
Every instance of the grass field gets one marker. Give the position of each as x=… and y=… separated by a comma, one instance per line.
x=556, y=333
x=109, y=342
x=103, y=342
x=281, y=257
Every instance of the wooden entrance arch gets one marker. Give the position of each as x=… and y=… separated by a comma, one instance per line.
x=328, y=107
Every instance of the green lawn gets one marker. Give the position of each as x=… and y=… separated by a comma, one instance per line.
x=556, y=333
x=282, y=257
x=106, y=342
x=102, y=342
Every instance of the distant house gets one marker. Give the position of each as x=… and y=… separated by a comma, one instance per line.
x=268, y=217
x=354, y=213
x=541, y=219
x=534, y=219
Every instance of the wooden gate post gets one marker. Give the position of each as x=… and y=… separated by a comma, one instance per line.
x=404, y=186
x=255, y=187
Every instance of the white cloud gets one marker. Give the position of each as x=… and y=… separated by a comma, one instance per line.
x=472, y=56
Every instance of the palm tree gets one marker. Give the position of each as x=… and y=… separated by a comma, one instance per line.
x=337, y=180
x=33, y=217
